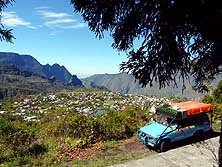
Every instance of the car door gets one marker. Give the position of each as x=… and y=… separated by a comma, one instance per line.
x=191, y=125
x=181, y=132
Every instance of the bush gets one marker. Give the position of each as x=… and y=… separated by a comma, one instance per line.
x=217, y=93
x=208, y=99
x=15, y=139
x=19, y=145
x=216, y=99
x=114, y=125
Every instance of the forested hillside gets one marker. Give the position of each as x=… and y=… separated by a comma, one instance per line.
x=29, y=63
x=125, y=83
x=14, y=82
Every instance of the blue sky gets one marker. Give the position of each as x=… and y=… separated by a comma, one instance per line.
x=51, y=32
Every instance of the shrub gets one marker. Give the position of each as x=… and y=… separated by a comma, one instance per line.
x=217, y=93
x=15, y=139
x=208, y=99
x=114, y=125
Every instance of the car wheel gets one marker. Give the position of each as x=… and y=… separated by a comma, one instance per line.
x=198, y=136
x=165, y=145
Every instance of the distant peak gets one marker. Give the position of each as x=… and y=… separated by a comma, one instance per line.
x=56, y=64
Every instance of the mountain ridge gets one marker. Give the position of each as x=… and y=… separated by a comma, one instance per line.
x=127, y=84
x=14, y=82
x=29, y=63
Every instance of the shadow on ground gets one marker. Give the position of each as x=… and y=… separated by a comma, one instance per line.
x=208, y=135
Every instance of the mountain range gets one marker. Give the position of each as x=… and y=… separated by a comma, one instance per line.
x=121, y=82
x=28, y=63
x=14, y=82
x=126, y=83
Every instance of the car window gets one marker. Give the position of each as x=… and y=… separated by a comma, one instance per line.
x=182, y=123
x=198, y=119
x=192, y=120
x=203, y=118
x=171, y=121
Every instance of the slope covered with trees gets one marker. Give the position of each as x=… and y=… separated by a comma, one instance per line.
x=29, y=63
x=14, y=82
x=126, y=83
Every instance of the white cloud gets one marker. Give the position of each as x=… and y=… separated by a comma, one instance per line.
x=41, y=7
x=10, y=19
x=58, y=20
x=76, y=26
x=72, y=26
x=50, y=14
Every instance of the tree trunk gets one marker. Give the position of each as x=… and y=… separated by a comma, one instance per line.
x=220, y=148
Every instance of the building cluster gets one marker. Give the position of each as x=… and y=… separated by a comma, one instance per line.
x=32, y=108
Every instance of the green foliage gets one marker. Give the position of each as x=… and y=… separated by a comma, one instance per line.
x=168, y=111
x=113, y=125
x=15, y=82
x=76, y=125
x=15, y=139
x=5, y=34
x=118, y=125
x=216, y=99
x=61, y=131
x=207, y=99
x=217, y=93
x=16, y=85
x=216, y=96
x=5, y=126
x=175, y=38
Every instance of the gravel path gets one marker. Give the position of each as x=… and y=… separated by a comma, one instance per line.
x=203, y=154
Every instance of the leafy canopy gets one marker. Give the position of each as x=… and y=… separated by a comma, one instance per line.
x=5, y=34
x=179, y=37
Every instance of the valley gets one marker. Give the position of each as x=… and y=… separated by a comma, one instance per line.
x=110, y=83
x=65, y=127
x=48, y=121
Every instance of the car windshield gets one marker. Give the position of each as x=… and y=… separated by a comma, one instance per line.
x=164, y=119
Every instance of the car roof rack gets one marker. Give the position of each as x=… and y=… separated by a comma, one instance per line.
x=185, y=109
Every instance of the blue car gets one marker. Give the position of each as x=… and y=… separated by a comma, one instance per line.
x=176, y=123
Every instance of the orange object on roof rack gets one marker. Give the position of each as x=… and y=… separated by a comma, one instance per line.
x=192, y=107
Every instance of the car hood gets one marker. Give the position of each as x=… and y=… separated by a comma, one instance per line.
x=156, y=129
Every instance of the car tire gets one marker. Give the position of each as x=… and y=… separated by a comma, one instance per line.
x=146, y=142
x=198, y=136
x=165, y=145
